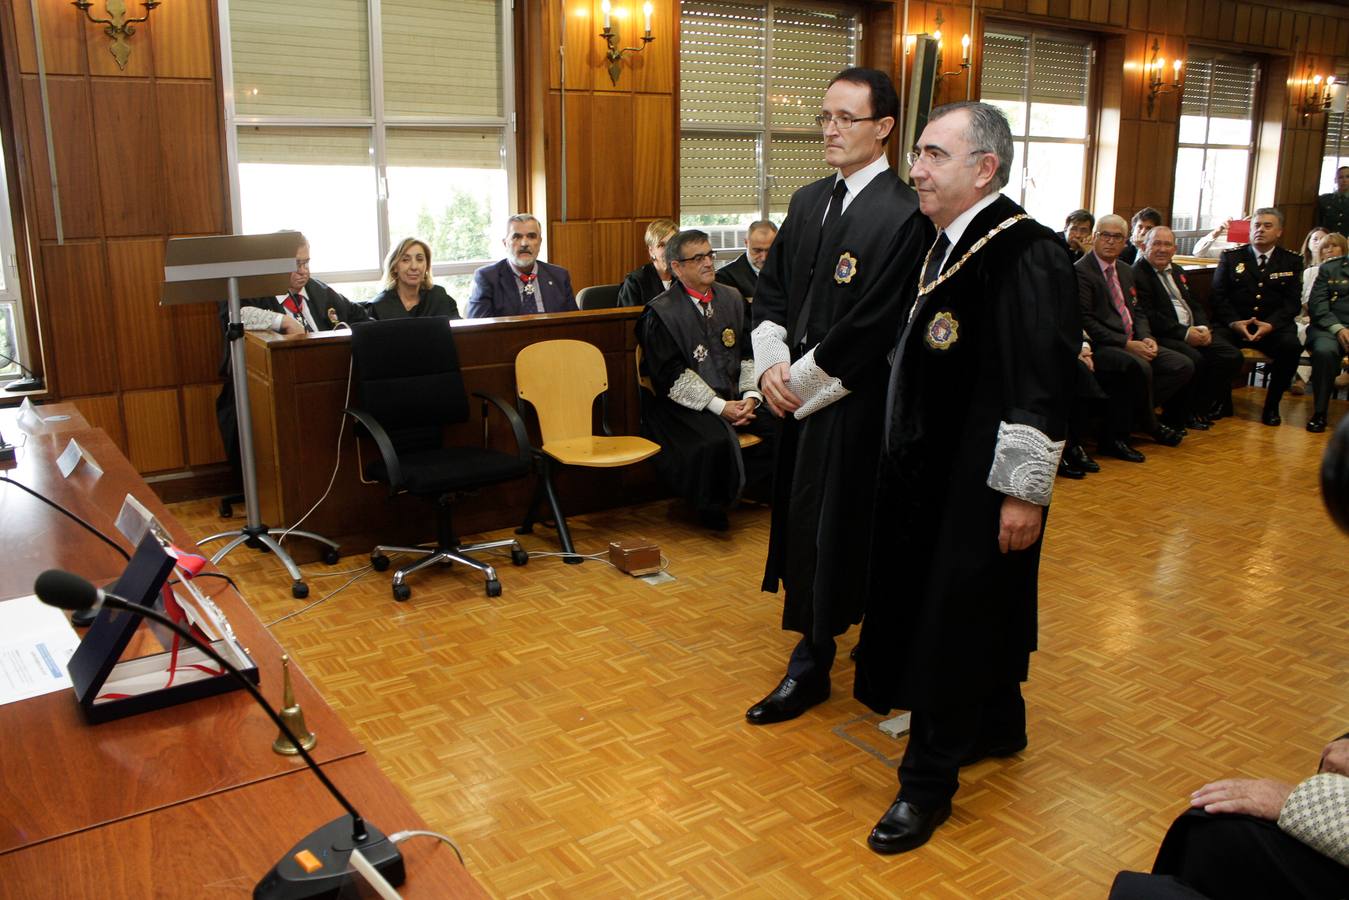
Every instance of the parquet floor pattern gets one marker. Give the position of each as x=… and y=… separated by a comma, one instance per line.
x=583, y=735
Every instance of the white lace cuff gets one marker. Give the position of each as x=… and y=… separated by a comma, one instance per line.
x=691, y=391
x=770, y=347
x=749, y=379
x=815, y=387
x=1317, y=814
x=255, y=318
x=1024, y=463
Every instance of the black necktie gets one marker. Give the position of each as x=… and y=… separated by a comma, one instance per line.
x=1261, y=262
x=835, y=206
x=935, y=259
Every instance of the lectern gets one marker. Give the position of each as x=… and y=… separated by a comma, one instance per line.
x=207, y=270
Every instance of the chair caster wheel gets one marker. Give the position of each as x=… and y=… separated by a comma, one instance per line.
x=401, y=591
x=331, y=556
x=494, y=588
x=380, y=562
x=519, y=557
x=299, y=590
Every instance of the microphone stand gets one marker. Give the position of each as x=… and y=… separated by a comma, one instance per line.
x=329, y=845
x=33, y=382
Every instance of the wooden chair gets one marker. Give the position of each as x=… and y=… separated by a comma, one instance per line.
x=561, y=379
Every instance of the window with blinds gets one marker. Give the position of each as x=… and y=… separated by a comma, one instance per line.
x=1213, y=160
x=752, y=76
x=362, y=121
x=1336, y=152
x=1042, y=82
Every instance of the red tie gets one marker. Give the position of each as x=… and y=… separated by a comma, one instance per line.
x=292, y=304
x=1117, y=297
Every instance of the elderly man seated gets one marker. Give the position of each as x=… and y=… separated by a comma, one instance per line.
x=696, y=350
x=743, y=272
x=521, y=284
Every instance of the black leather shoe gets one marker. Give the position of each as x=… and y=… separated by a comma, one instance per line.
x=1198, y=423
x=1271, y=417
x=1219, y=410
x=1166, y=436
x=1316, y=424
x=788, y=700
x=905, y=827
x=1001, y=750
x=1120, y=450
x=1067, y=470
x=1078, y=458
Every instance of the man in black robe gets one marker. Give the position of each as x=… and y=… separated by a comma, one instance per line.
x=975, y=419
x=743, y=272
x=830, y=299
x=695, y=349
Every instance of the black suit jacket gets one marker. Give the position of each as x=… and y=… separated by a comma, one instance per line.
x=641, y=287
x=1156, y=302
x=1103, y=325
x=1241, y=291
x=740, y=275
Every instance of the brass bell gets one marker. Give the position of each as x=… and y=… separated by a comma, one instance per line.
x=293, y=716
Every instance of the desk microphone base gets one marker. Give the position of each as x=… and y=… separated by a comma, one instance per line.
x=330, y=847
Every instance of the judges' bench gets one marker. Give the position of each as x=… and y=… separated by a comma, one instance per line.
x=298, y=387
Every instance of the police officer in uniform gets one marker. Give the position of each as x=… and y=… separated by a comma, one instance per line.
x=1332, y=210
x=1328, y=334
x=1257, y=293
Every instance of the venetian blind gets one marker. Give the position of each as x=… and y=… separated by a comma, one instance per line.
x=1005, y=66
x=441, y=58
x=1337, y=134
x=300, y=58
x=430, y=148
x=721, y=63
x=311, y=146
x=1220, y=88
x=1023, y=67
x=794, y=161
x=719, y=174
x=809, y=48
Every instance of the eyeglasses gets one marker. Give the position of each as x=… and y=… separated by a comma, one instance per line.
x=842, y=121
x=1109, y=236
x=700, y=258
x=936, y=159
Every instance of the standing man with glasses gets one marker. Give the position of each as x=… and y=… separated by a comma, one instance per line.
x=827, y=306
x=975, y=420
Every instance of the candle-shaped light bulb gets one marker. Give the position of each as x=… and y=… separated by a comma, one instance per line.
x=1316, y=80
x=936, y=35
x=1175, y=68
x=965, y=48
x=604, y=6
x=646, y=11
x=1161, y=63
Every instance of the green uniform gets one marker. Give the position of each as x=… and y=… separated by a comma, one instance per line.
x=1329, y=309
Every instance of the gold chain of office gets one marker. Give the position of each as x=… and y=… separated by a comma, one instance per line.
x=1002, y=226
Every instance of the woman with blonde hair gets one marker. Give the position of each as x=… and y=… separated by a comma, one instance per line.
x=408, y=288
x=653, y=279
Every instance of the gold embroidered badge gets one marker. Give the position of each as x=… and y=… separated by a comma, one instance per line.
x=942, y=331
x=846, y=268
x=1241, y=267
x=728, y=337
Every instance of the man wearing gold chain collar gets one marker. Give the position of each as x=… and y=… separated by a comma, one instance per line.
x=975, y=418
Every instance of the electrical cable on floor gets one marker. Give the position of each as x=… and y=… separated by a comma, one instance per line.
x=325, y=598
x=399, y=837
x=337, y=463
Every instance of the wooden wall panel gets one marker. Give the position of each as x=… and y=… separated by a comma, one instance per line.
x=76, y=169
x=569, y=245
x=98, y=52
x=143, y=331
x=203, y=434
x=612, y=253
x=612, y=139
x=153, y=431
x=83, y=348
x=62, y=37
x=130, y=168
x=653, y=68
x=195, y=198
x=198, y=342
x=654, y=173
x=184, y=36
x=104, y=412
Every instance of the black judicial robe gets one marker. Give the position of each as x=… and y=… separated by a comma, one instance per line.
x=433, y=301
x=824, y=471
x=641, y=286
x=950, y=618
x=700, y=455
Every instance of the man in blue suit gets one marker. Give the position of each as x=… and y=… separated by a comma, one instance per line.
x=521, y=284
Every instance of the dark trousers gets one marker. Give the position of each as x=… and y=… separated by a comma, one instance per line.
x=1214, y=368
x=1327, y=355
x=812, y=658
x=1283, y=348
x=939, y=739
x=1130, y=378
x=1232, y=856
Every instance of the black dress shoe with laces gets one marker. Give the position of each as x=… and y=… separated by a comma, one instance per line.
x=1271, y=417
x=1068, y=470
x=1167, y=436
x=1198, y=423
x=1077, y=456
x=788, y=700
x=1316, y=424
x=1219, y=410
x=1121, y=450
x=906, y=827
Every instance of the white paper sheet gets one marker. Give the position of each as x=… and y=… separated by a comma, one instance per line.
x=37, y=645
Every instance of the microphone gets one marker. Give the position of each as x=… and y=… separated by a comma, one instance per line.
x=32, y=383
x=318, y=865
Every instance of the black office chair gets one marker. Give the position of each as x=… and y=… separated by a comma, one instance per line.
x=599, y=296
x=406, y=389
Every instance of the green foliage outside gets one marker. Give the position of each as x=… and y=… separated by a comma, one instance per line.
x=461, y=230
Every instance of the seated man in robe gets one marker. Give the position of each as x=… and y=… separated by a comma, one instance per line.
x=521, y=284
x=696, y=350
x=743, y=272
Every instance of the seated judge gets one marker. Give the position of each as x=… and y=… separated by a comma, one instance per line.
x=1257, y=293
x=1077, y=232
x=1142, y=222
x=521, y=284
x=696, y=350
x=409, y=291
x=1328, y=333
x=1180, y=323
x=309, y=305
x=653, y=279
x=743, y=272
x=1121, y=337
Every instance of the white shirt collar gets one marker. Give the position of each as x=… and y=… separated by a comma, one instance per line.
x=956, y=230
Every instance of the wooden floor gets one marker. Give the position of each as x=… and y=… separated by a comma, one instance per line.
x=583, y=735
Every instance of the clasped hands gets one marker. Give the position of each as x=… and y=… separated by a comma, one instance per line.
x=739, y=412
x=1146, y=348
x=1251, y=329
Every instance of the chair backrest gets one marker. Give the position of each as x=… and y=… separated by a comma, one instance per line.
x=599, y=296
x=407, y=376
x=561, y=379
x=643, y=378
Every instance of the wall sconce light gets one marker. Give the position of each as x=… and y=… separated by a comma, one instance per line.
x=964, y=51
x=614, y=54
x=118, y=27
x=1319, y=97
x=1156, y=84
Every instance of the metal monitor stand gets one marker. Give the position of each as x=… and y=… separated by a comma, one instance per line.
x=200, y=270
x=255, y=533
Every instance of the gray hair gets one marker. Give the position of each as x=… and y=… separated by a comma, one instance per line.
x=1269, y=211
x=988, y=132
x=1152, y=234
x=1112, y=219
x=522, y=217
x=674, y=247
x=760, y=223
